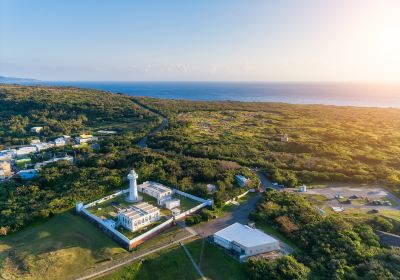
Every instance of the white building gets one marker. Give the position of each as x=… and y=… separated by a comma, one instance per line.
x=303, y=188
x=60, y=141
x=172, y=203
x=138, y=215
x=23, y=151
x=43, y=146
x=35, y=141
x=284, y=138
x=44, y=163
x=241, y=180
x=156, y=190
x=37, y=129
x=245, y=241
x=85, y=138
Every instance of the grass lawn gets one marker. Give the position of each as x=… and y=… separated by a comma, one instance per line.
x=171, y=263
x=57, y=248
x=214, y=262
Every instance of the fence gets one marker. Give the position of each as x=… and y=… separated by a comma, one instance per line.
x=108, y=197
x=132, y=243
x=189, y=196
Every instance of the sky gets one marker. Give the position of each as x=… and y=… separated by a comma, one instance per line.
x=203, y=40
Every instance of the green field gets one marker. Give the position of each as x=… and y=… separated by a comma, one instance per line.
x=214, y=262
x=171, y=263
x=58, y=248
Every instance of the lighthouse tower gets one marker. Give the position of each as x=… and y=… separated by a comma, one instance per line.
x=133, y=189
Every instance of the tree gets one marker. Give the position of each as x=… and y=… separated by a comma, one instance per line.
x=283, y=268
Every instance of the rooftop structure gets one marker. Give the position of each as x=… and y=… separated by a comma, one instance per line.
x=284, y=138
x=85, y=138
x=28, y=174
x=156, y=190
x=172, y=203
x=25, y=151
x=138, y=215
x=245, y=241
x=241, y=180
x=303, y=188
x=60, y=141
x=107, y=131
x=37, y=129
x=7, y=154
x=211, y=188
x=43, y=146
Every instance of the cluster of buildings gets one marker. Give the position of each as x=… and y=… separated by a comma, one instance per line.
x=141, y=214
x=19, y=157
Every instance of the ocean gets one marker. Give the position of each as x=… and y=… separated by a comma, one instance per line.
x=343, y=94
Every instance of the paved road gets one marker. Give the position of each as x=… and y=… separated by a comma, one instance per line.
x=239, y=214
x=133, y=258
x=143, y=142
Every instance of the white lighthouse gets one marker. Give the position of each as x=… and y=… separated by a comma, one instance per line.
x=133, y=189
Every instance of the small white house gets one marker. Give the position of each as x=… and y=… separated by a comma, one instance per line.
x=59, y=142
x=158, y=191
x=285, y=138
x=211, y=188
x=303, y=188
x=172, y=203
x=241, y=180
x=245, y=241
x=37, y=129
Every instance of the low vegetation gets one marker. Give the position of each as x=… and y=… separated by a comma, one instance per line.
x=326, y=143
x=331, y=247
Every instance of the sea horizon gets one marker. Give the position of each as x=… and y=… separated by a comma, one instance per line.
x=358, y=94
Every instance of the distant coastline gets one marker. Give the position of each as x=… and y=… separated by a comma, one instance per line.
x=340, y=94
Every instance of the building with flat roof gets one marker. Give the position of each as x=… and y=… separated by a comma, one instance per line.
x=245, y=241
x=138, y=215
x=172, y=203
x=27, y=174
x=156, y=190
x=241, y=180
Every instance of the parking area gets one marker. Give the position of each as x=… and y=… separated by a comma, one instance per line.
x=358, y=197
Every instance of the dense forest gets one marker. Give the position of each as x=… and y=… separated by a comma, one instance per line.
x=330, y=247
x=326, y=143
x=95, y=173
x=66, y=111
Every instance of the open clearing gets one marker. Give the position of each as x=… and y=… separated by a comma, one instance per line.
x=362, y=196
x=58, y=248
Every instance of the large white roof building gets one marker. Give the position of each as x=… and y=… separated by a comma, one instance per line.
x=138, y=215
x=245, y=241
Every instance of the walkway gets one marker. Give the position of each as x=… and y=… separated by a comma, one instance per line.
x=193, y=262
x=133, y=258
